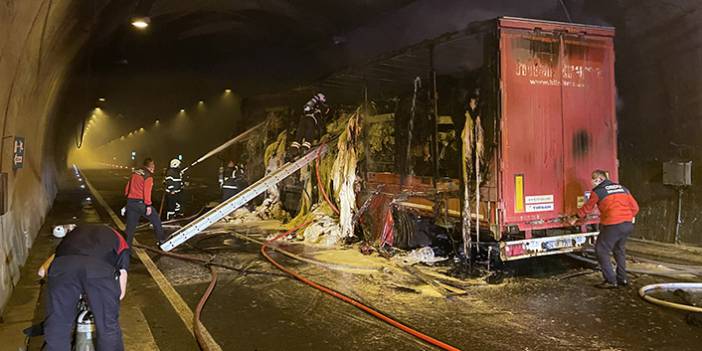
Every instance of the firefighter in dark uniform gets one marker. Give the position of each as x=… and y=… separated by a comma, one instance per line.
x=225, y=173
x=310, y=125
x=92, y=260
x=174, y=187
x=138, y=193
x=234, y=182
x=617, y=211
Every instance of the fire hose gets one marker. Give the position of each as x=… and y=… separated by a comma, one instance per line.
x=346, y=298
x=224, y=146
x=325, y=289
x=213, y=282
x=644, y=292
x=373, y=312
x=196, y=319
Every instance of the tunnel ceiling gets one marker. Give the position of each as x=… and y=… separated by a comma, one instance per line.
x=195, y=32
x=195, y=48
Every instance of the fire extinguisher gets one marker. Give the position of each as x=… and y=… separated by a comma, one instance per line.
x=85, y=329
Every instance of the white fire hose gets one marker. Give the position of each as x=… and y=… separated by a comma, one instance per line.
x=644, y=293
x=645, y=290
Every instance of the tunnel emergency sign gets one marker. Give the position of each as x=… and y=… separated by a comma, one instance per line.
x=18, y=153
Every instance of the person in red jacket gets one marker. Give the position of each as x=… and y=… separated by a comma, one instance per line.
x=138, y=193
x=617, y=211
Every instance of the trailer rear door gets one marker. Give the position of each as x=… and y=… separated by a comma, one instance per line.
x=589, y=123
x=557, y=117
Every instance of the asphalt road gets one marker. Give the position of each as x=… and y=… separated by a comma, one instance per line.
x=538, y=309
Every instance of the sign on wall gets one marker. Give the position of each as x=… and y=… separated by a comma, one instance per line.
x=18, y=159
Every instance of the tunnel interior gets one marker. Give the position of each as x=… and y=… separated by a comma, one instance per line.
x=81, y=84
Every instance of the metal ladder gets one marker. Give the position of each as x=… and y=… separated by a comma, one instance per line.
x=232, y=204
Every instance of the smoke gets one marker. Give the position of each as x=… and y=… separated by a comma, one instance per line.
x=109, y=140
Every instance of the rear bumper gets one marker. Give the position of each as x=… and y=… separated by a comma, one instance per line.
x=552, y=245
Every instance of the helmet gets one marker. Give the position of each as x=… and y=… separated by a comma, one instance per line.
x=59, y=231
x=321, y=97
x=175, y=163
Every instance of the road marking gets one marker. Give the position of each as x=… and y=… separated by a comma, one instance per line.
x=181, y=308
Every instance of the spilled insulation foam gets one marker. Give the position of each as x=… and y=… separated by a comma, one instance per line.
x=337, y=173
x=466, y=167
x=271, y=207
x=473, y=153
x=274, y=158
x=344, y=174
x=325, y=229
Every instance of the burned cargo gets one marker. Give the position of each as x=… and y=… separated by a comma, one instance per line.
x=483, y=138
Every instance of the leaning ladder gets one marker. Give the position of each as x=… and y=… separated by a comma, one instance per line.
x=232, y=204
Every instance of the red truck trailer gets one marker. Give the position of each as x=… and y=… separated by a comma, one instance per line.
x=547, y=105
x=557, y=123
x=548, y=110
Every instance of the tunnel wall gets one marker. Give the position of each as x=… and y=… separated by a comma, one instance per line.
x=659, y=70
x=39, y=41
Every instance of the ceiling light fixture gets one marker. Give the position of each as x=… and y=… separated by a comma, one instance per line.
x=141, y=22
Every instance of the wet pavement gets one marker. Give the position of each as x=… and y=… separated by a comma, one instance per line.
x=548, y=304
x=74, y=204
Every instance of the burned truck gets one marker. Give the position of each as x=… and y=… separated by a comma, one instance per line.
x=501, y=177
x=480, y=142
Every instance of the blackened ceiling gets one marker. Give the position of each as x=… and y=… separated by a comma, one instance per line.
x=195, y=33
x=195, y=48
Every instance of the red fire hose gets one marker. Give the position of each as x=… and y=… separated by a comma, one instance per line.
x=196, y=322
x=347, y=299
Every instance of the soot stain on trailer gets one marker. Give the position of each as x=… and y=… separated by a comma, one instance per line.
x=581, y=143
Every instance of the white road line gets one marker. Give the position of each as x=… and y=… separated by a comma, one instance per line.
x=181, y=308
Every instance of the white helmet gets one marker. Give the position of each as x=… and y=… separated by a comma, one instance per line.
x=61, y=230
x=320, y=97
x=175, y=163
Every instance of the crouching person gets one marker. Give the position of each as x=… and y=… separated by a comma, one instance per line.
x=92, y=260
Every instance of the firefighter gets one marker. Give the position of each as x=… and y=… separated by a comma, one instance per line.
x=234, y=183
x=617, y=211
x=174, y=187
x=93, y=260
x=138, y=193
x=225, y=172
x=240, y=177
x=309, y=127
